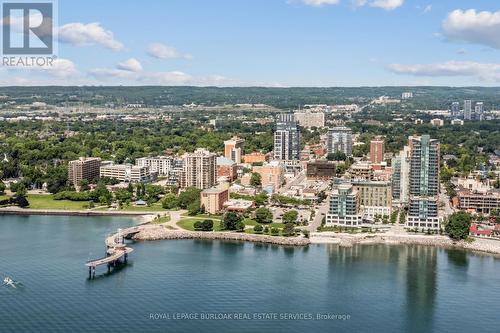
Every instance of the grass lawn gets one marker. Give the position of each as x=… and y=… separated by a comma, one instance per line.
x=46, y=201
x=207, y=216
x=160, y=220
x=156, y=207
x=188, y=224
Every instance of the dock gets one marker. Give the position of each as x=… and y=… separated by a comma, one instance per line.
x=115, y=250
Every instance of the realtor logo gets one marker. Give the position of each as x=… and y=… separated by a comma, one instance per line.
x=28, y=33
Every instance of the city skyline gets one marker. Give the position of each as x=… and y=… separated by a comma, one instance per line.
x=321, y=43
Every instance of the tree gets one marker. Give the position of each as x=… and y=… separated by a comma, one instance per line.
x=289, y=229
x=2, y=187
x=258, y=229
x=290, y=216
x=458, y=225
x=153, y=192
x=231, y=220
x=194, y=207
x=260, y=199
x=255, y=179
x=275, y=231
x=84, y=185
x=205, y=225
x=122, y=195
x=170, y=201
x=21, y=191
x=190, y=195
x=336, y=156
x=263, y=215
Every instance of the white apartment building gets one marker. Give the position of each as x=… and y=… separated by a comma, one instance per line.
x=126, y=173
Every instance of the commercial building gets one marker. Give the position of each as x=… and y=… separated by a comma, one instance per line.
x=254, y=157
x=286, y=138
x=320, y=170
x=126, y=173
x=375, y=197
x=310, y=119
x=424, y=183
x=406, y=95
x=468, y=109
x=340, y=139
x=233, y=149
x=199, y=169
x=83, y=168
x=344, y=207
x=213, y=199
x=376, y=150
x=271, y=175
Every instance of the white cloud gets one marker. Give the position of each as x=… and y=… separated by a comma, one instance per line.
x=162, y=51
x=473, y=27
x=384, y=4
x=80, y=34
x=131, y=65
x=427, y=9
x=482, y=71
x=60, y=68
x=320, y=3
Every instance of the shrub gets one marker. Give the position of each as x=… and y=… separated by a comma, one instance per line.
x=275, y=231
x=258, y=229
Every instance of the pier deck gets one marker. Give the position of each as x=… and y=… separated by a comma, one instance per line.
x=115, y=250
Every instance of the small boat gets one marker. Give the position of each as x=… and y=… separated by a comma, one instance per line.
x=9, y=282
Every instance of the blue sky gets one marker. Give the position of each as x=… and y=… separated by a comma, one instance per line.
x=274, y=43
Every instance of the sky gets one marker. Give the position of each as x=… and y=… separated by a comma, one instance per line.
x=277, y=43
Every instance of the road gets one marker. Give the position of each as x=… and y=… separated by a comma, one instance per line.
x=320, y=213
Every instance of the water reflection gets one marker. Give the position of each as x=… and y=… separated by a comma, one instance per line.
x=458, y=258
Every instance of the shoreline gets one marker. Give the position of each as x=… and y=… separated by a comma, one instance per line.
x=484, y=246
x=158, y=232
x=151, y=232
x=70, y=212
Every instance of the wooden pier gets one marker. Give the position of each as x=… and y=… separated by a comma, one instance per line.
x=115, y=250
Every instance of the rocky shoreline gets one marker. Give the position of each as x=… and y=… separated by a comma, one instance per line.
x=479, y=245
x=151, y=232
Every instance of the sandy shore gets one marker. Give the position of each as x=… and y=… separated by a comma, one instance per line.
x=482, y=245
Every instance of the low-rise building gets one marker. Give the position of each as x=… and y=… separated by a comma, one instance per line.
x=213, y=199
x=126, y=173
x=254, y=157
x=238, y=205
x=271, y=175
x=226, y=168
x=320, y=170
x=479, y=202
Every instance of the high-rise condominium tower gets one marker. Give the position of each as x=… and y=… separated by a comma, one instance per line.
x=424, y=183
x=286, y=138
x=340, y=139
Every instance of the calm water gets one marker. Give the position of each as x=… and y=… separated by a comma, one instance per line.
x=381, y=288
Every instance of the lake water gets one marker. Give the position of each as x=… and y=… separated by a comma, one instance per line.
x=246, y=287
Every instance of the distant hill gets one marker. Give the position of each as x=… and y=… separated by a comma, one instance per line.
x=424, y=97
